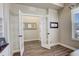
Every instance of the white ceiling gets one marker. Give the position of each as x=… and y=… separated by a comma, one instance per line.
x=45, y=5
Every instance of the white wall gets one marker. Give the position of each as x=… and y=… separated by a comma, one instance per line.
x=4, y=8
x=14, y=31
x=30, y=35
x=1, y=10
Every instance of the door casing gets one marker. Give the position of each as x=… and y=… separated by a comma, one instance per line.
x=41, y=17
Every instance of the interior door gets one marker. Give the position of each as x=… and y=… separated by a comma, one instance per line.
x=52, y=32
x=21, y=34
x=43, y=33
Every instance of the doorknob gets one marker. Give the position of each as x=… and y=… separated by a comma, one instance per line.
x=20, y=35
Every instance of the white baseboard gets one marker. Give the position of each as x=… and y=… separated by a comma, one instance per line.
x=54, y=44
x=67, y=46
x=30, y=40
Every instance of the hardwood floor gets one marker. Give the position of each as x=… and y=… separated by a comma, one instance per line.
x=33, y=48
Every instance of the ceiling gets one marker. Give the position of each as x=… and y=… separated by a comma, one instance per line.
x=45, y=5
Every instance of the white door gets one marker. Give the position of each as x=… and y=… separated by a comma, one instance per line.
x=21, y=34
x=43, y=33
x=52, y=32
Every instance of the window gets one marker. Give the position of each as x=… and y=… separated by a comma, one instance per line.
x=75, y=23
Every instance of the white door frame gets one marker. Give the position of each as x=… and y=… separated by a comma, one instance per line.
x=28, y=14
x=21, y=34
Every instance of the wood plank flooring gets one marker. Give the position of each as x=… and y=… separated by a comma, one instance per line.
x=33, y=48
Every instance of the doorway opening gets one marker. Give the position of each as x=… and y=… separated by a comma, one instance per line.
x=33, y=28
x=31, y=33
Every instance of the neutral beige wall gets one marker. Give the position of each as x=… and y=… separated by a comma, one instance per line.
x=30, y=35
x=65, y=27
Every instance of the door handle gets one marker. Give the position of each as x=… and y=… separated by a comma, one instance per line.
x=20, y=35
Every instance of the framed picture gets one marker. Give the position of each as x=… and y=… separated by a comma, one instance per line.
x=53, y=24
x=30, y=26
